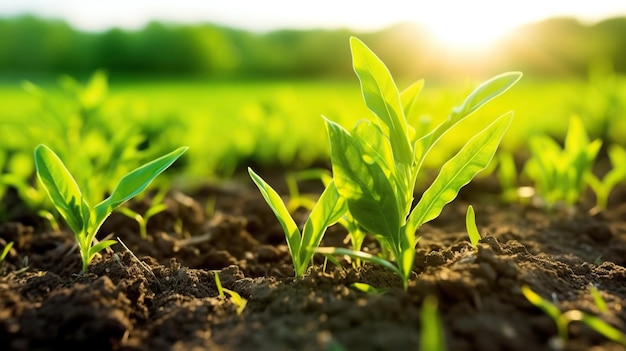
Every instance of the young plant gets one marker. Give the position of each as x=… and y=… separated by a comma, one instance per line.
x=617, y=174
x=560, y=174
x=355, y=232
x=376, y=164
x=507, y=175
x=142, y=220
x=4, y=253
x=327, y=210
x=433, y=337
x=563, y=319
x=85, y=220
x=470, y=224
x=239, y=301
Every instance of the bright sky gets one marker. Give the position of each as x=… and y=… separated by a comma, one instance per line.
x=459, y=23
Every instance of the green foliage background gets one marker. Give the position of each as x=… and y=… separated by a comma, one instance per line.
x=558, y=46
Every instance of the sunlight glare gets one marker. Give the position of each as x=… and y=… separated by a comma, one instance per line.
x=468, y=34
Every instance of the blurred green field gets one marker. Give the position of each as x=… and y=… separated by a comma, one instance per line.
x=232, y=124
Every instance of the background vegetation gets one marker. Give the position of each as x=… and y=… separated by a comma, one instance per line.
x=558, y=46
x=108, y=102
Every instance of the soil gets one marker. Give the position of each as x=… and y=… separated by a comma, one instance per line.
x=160, y=293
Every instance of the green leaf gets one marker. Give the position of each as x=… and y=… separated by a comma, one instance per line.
x=363, y=183
x=292, y=233
x=364, y=256
x=135, y=182
x=382, y=97
x=458, y=171
x=534, y=298
x=61, y=187
x=99, y=247
x=600, y=326
x=487, y=91
x=470, y=224
x=432, y=333
x=5, y=251
x=484, y=93
x=408, y=97
x=328, y=209
x=368, y=289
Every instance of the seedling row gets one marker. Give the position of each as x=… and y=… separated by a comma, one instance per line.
x=88, y=167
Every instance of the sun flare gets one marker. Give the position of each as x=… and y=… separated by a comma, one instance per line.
x=467, y=34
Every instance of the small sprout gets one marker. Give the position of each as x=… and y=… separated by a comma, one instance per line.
x=470, y=224
x=366, y=288
x=54, y=224
x=432, y=334
x=597, y=299
x=239, y=301
x=563, y=320
x=155, y=208
x=327, y=211
x=616, y=175
x=4, y=254
x=561, y=174
x=507, y=177
x=83, y=219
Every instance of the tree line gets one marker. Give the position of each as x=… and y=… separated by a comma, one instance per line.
x=558, y=46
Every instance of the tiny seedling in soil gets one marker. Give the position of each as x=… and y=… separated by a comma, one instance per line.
x=327, y=210
x=83, y=219
x=617, y=174
x=376, y=165
x=237, y=300
x=560, y=174
x=368, y=289
x=470, y=224
x=563, y=319
x=4, y=253
x=432, y=334
x=142, y=220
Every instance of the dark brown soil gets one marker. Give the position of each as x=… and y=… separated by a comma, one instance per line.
x=170, y=300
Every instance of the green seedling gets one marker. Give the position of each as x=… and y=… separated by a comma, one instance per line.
x=376, y=164
x=356, y=233
x=327, y=210
x=296, y=199
x=432, y=335
x=507, y=177
x=239, y=301
x=470, y=224
x=368, y=289
x=616, y=175
x=4, y=253
x=597, y=299
x=563, y=319
x=83, y=219
x=142, y=220
x=560, y=174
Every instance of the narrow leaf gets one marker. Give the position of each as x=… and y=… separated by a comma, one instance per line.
x=479, y=97
x=327, y=210
x=135, y=182
x=432, y=333
x=292, y=233
x=487, y=91
x=61, y=187
x=470, y=224
x=382, y=97
x=99, y=247
x=364, y=256
x=459, y=171
x=408, y=97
